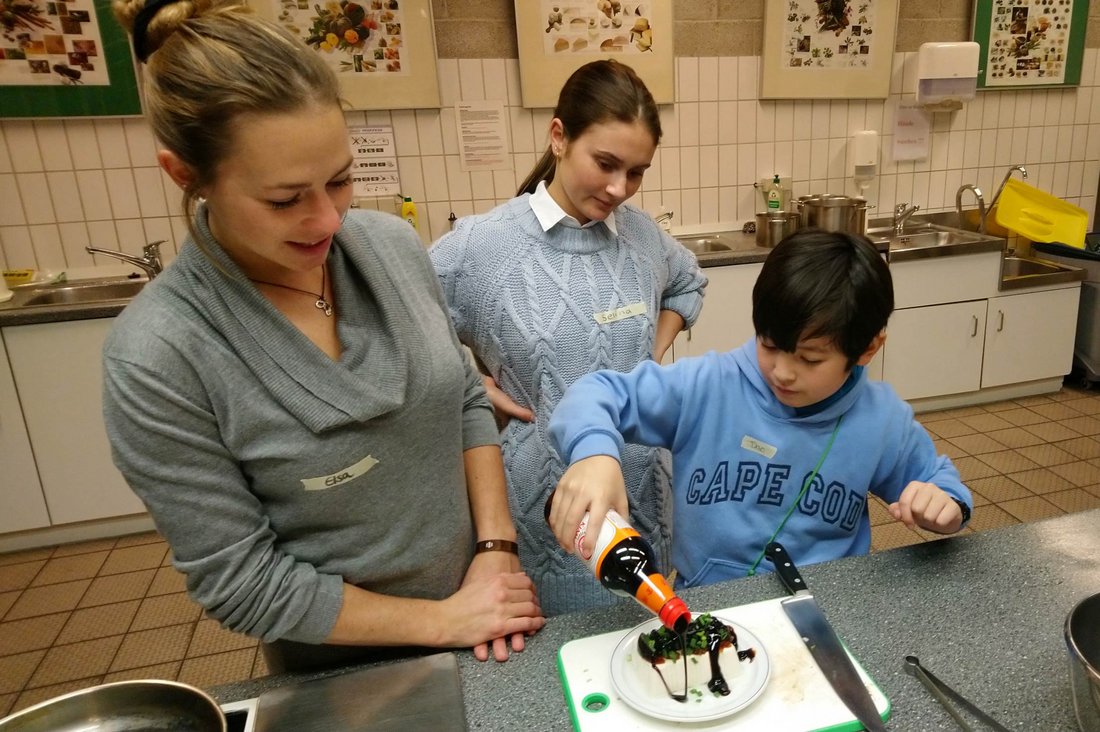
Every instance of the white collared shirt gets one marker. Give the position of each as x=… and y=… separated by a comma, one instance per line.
x=549, y=213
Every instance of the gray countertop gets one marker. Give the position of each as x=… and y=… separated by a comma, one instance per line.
x=984, y=612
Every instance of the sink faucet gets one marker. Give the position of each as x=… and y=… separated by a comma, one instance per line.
x=981, y=205
x=902, y=212
x=149, y=261
x=997, y=195
x=664, y=220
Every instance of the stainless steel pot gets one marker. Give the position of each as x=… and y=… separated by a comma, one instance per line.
x=833, y=212
x=122, y=706
x=773, y=226
x=1083, y=643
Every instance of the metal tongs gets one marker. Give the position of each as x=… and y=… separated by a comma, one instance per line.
x=945, y=695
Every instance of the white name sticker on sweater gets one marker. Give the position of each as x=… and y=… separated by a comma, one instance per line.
x=626, y=311
x=339, y=478
x=760, y=448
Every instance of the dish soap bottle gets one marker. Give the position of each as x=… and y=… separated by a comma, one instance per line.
x=625, y=564
x=408, y=212
x=775, y=195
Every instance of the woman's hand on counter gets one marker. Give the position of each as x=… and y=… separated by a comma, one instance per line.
x=497, y=602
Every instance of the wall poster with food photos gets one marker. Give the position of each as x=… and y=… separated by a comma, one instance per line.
x=383, y=51
x=557, y=36
x=827, y=49
x=64, y=58
x=1030, y=43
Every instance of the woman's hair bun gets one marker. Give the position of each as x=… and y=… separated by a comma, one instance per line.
x=162, y=19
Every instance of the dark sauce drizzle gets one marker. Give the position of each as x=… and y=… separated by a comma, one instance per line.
x=717, y=635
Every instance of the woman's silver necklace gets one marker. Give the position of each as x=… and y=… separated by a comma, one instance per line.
x=322, y=304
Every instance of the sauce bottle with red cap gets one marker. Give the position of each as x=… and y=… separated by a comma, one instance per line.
x=624, y=563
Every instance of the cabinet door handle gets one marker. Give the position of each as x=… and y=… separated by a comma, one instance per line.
x=1001, y=320
x=974, y=333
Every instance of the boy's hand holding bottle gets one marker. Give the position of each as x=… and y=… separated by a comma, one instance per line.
x=592, y=486
x=929, y=507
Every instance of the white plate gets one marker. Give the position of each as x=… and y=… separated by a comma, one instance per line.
x=635, y=681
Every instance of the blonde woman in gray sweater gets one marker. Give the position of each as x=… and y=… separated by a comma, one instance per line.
x=289, y=398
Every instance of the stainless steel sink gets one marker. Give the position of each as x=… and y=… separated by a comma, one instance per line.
x=83, y=292
x=1017, y=272
x=922, y=235
x=706, y=244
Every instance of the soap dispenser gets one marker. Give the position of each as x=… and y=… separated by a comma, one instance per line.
x=775, y=195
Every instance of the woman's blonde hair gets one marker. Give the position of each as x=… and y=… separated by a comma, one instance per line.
x=208, y=63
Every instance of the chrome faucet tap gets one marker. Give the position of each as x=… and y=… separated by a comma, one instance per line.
x=981, y=205
x=666, y=216
x=902, y=212
x=149, y=261
x=997, y=195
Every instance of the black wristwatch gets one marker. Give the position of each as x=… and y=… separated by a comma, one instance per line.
x=964, y=508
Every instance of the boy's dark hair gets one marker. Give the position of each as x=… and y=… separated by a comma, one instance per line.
x=823, y=284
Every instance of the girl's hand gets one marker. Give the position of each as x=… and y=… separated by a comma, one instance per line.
x=592, y=485
x=503, y=405
x=929, y=507
x=497, y=603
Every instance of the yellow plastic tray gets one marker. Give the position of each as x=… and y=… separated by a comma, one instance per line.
x=1040, y=216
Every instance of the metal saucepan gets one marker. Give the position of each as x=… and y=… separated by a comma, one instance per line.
x=773, y=226
x=1083, y=643
x=833, y=212
x=123, y=706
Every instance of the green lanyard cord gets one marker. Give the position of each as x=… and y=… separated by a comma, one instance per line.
x=801, y=493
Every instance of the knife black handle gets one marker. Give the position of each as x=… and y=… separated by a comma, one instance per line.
x=784, y=567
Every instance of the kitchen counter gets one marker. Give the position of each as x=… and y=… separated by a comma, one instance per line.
x=984, y=612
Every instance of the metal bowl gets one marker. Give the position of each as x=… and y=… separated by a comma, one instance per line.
x=124, y=706
x=1083, y=643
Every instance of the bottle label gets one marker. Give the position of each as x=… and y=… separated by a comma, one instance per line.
x=773, y=200
x=613, y=529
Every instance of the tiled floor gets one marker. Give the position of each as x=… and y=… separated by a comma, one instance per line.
x=81, y=614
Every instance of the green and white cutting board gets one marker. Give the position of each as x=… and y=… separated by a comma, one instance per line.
x=797, y=697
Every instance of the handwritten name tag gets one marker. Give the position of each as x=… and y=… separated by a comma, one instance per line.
x=340, y=477
x=760, y=448
x=627, y=311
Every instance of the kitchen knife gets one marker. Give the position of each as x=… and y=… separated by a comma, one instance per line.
x=822, y=641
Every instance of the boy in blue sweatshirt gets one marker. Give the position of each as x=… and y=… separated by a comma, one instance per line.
x=781, y=439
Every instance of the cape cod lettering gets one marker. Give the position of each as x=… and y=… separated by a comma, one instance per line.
x=340, y=477
x=772, y=485
x=626, y=311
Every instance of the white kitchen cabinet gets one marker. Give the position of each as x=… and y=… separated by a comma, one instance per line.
x=726, y=319
x=22, y=505
x=935, y=350
x=58, y=375
x=1030, y=336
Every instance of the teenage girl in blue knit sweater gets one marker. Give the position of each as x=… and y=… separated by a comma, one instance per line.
x=563, y=280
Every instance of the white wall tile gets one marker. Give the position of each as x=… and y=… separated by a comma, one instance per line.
x=157, y=229
x=727, y=123
x=471, y=80
x=687, y=79
x=458, y=181
x=5, y=158
x=93, y=194
x=1079, y=141
x=36, y=198
x=708, y=205
x=120, y=188
x=18, y=249
x=429, y=132
x=727, y=203
x=46, y=240
x=412, y=178
x=765, y=121
x=65, y=195
x=708, y=123
x=747, y=172
x=688, y=116
x=111, y=139
x=765, y=161
x=83, y=145
x=102, y=235
x=448, y=127
x=435, y=177
x=838, y=118
x=74, y=237
x=515, y=90
x=406, y=138
x=746, y=121
x=670, y=167
x=150, y=192
x=727, y=78
x=727, y=165
x=708, y=166
x=494, y=79
x=131, y=235
x=748, y=77
x=23, y=146
x=670, y=124
x=53, y=145
x=689, y=167
x=449, y=87
x=11, y=203
x=708, y=79
x=688, y=213
x=140, y=142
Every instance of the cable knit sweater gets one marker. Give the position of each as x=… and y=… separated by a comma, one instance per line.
x=541, y=309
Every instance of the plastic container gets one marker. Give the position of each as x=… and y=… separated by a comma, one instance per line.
x=408, y=212
x=625, y=564
x=1040, y=216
